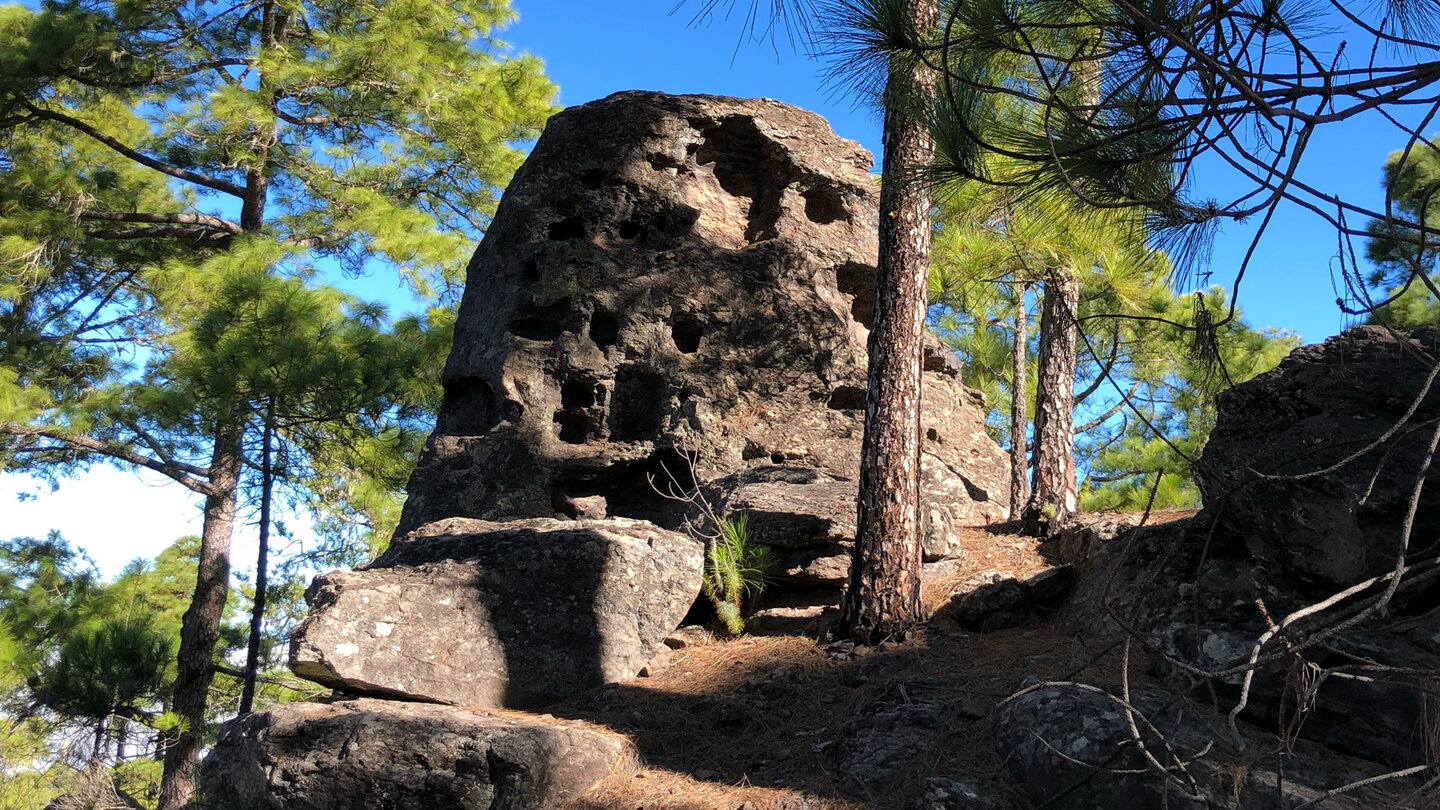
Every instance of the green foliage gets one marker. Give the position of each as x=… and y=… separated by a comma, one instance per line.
x=736, y=571
x=989, y=240
x=1404, y=258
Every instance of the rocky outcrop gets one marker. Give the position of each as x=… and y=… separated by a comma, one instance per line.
x=673, y=296
x=1072, y=749
x=1269, y=473
x=679, y=286
x=380, y=755
x=483, y=614
x=1286, y=526
x=996, y=600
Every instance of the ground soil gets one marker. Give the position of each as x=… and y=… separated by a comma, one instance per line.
x=753, y=722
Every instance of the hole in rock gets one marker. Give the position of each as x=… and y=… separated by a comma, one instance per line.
x=470, y=408
x=513, y=410
x=628, y=489
x=543, y=321
x=858, y=280
x=847, y=398
x=639, y=405
x=824, y=205
x=777, y=458
x=572, y=228
x=686, y=330
x=577, y=394
x=748, y=164
x=678, y=221
x=630, y=229
x=932, y=435
x=604, y=328
x=576, y=427
x=592, y=178
x=532, y=271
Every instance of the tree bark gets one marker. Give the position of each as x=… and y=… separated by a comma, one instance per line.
x=200, y=627
x=1019, y=448
x=1054, y=498
x=262, y=560
x=883, y=596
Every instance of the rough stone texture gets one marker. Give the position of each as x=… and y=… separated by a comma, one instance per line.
x=1207, y=617
x=809, y=515
x=881, y=739
x=389, y=755
x=674, y=274
x=1073, y=750
x=1191, y=587
x=993, y=600
x=961, y=793
x=484, y=614
x=1323, y=403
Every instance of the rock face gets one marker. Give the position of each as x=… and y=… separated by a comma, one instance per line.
x=672, y=280
x=385, y=755
x=1196, y=588
x=1074, y=750
x=483, y=614
x=1323, y=404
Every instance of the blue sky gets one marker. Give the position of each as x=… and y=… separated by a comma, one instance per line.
x=592, y=49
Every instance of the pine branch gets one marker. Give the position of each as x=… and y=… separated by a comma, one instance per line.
x=136, y=155
x=187, y=475
x=218, y=223
x=1104, y=417
x=216, y=239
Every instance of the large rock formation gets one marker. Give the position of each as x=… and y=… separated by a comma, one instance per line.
x=672, y=280
x=483, y=614
x=672, y=296
x=1269, y=473
x=384, y=755
x=1286, y=526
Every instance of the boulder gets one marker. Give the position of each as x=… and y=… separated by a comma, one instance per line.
x=675, y=289
x=803, y=509
x=1321, y=405
x=386, y=755
x=961, y=793
x=485, y=614
x=881, y=739
x=1202, y=592
x=995, y=600
x=1196, y=600
x=1073, y=749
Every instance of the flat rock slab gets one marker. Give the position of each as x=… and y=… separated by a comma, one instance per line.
x=486, y=614
x=386, y=755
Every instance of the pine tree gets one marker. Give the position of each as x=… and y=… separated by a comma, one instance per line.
x=165, y=150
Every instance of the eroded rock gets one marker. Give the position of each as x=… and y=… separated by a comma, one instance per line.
x=484, y=614
x=383, y=755
x=677, y=288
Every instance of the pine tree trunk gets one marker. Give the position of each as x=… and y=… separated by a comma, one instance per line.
x=262, y=579
x=1019, y=449
x=883, y=596
x=1053, y=498
x=200, y=627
